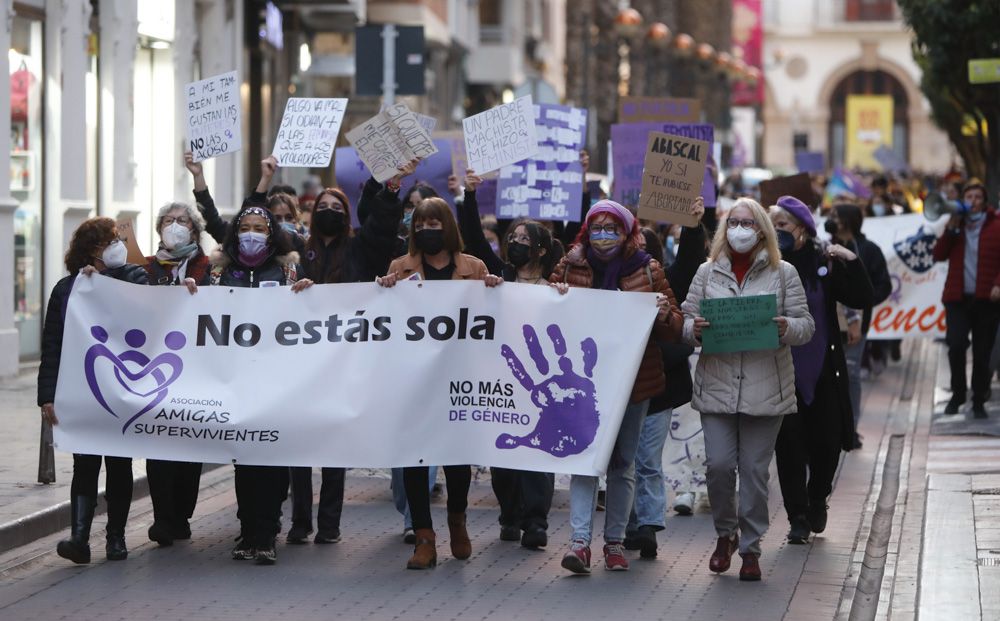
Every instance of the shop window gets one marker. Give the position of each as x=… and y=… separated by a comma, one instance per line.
x=26, y=142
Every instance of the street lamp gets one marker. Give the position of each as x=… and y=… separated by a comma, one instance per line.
x=628, y=22
x=683, y=45
x=658, y=35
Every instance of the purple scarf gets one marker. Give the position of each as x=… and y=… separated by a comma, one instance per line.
x=617, y=267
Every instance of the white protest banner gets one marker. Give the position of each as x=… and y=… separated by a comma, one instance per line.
x=390, y=139
x=914, y=307
x=214, y=116
x=308, y=132
x=441, y=373
x=500, y=136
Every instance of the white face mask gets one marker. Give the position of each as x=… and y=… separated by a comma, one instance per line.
x=175, y=235
x=742, y=240
x=114, y=255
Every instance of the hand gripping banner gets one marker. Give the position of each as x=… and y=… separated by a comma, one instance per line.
x=353, y=375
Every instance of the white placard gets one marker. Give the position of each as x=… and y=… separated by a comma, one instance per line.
x=390, y=139
x=308, y=132
x=440, y=373
x=214, y=116
x=500, y=136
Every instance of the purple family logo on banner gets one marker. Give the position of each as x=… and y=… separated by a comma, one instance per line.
x=628, y=144
x=550, y=185
x=351, y=174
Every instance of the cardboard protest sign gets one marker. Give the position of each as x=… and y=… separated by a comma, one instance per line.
x=799, y=186
x=390, y=139
x=351, y=174
x=658, y=110
x=429, y=123
x=500, y=136
x=214, y=116
x=550, y=185
x=810, y=161
x=739, y=324
x=126, y=233
x=628, y=145
x=308, y=132
x=672, y=175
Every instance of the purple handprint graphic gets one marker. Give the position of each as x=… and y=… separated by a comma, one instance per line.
x=568, y=416
x=152, y=368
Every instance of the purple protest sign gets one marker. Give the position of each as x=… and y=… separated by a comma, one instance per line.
x=628, y=145
x=810, y=161
x=352, y=174
x=548, y=186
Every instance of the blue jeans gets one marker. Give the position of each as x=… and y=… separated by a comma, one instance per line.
x=621, y=484
x=650, y=506
x=399, y=493
x=853, y=355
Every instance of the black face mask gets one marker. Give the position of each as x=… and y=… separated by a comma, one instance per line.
x=831, y=227
x=786, y=241
x=429, y=241
x=518, y=254
x=328, y=221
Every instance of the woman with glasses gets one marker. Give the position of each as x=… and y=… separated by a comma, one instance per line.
x=809, y=443
x=743, y=395
x=607, y=256
x=334, y=254
x=179, y=260
x=94, y=249
x=527, y=255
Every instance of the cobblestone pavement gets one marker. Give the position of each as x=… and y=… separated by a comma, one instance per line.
x=363, y=577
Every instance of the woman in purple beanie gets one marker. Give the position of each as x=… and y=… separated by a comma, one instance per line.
x=809, y=443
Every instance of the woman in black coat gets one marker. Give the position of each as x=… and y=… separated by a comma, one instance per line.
x=334, y=253
x=811, y=439
x=95, y=248
x=528, y=255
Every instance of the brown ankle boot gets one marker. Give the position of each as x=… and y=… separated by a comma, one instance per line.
x=424, y=553
x=461, y=547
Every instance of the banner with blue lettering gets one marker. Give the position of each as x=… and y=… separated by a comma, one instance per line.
x=628, y=145
x=548, y=186
x=351, y=375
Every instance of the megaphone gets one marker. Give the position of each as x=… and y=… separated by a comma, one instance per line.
x=936, y=206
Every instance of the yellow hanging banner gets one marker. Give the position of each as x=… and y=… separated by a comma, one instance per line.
x=869, y=125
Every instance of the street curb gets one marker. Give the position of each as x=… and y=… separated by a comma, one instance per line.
x=23, y=531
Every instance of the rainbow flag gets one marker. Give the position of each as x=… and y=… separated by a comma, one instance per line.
x=844, y=183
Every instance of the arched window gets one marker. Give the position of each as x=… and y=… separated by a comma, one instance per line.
x=868, y=83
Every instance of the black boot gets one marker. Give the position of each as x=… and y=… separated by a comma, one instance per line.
x=117, y=516
x=77, y=547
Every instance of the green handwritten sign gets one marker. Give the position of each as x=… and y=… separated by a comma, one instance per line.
x=739, y=324
x=984, y=70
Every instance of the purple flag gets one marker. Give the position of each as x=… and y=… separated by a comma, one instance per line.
x=550, y=185
x=628, y=146
x=352, y=174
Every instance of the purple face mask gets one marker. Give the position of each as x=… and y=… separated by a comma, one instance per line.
x=253, y=248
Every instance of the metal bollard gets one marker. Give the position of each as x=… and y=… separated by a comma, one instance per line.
x=46, y=456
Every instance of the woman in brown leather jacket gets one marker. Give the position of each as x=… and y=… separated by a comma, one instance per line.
x=435, y=253
x=606, y=255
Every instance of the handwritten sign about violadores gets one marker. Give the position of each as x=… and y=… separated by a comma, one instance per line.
x=672, y=174
x=739, y=324
x=308, y=131
x=390, y=139
x=214, y=116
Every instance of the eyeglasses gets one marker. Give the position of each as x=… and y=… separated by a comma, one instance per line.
x=611, y=229
x=519, y=239
x=182, y=220
x=746, y=224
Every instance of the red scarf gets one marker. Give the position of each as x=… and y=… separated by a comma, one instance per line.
x=741, y=265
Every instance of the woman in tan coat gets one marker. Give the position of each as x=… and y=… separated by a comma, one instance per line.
x=743, y=395
x=435, y=253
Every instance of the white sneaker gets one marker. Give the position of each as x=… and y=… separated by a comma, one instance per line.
x=684, y=503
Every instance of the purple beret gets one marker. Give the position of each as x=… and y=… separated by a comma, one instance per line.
x=799, y=211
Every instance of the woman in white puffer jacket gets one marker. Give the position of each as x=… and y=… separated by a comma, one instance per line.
x=742, y=396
